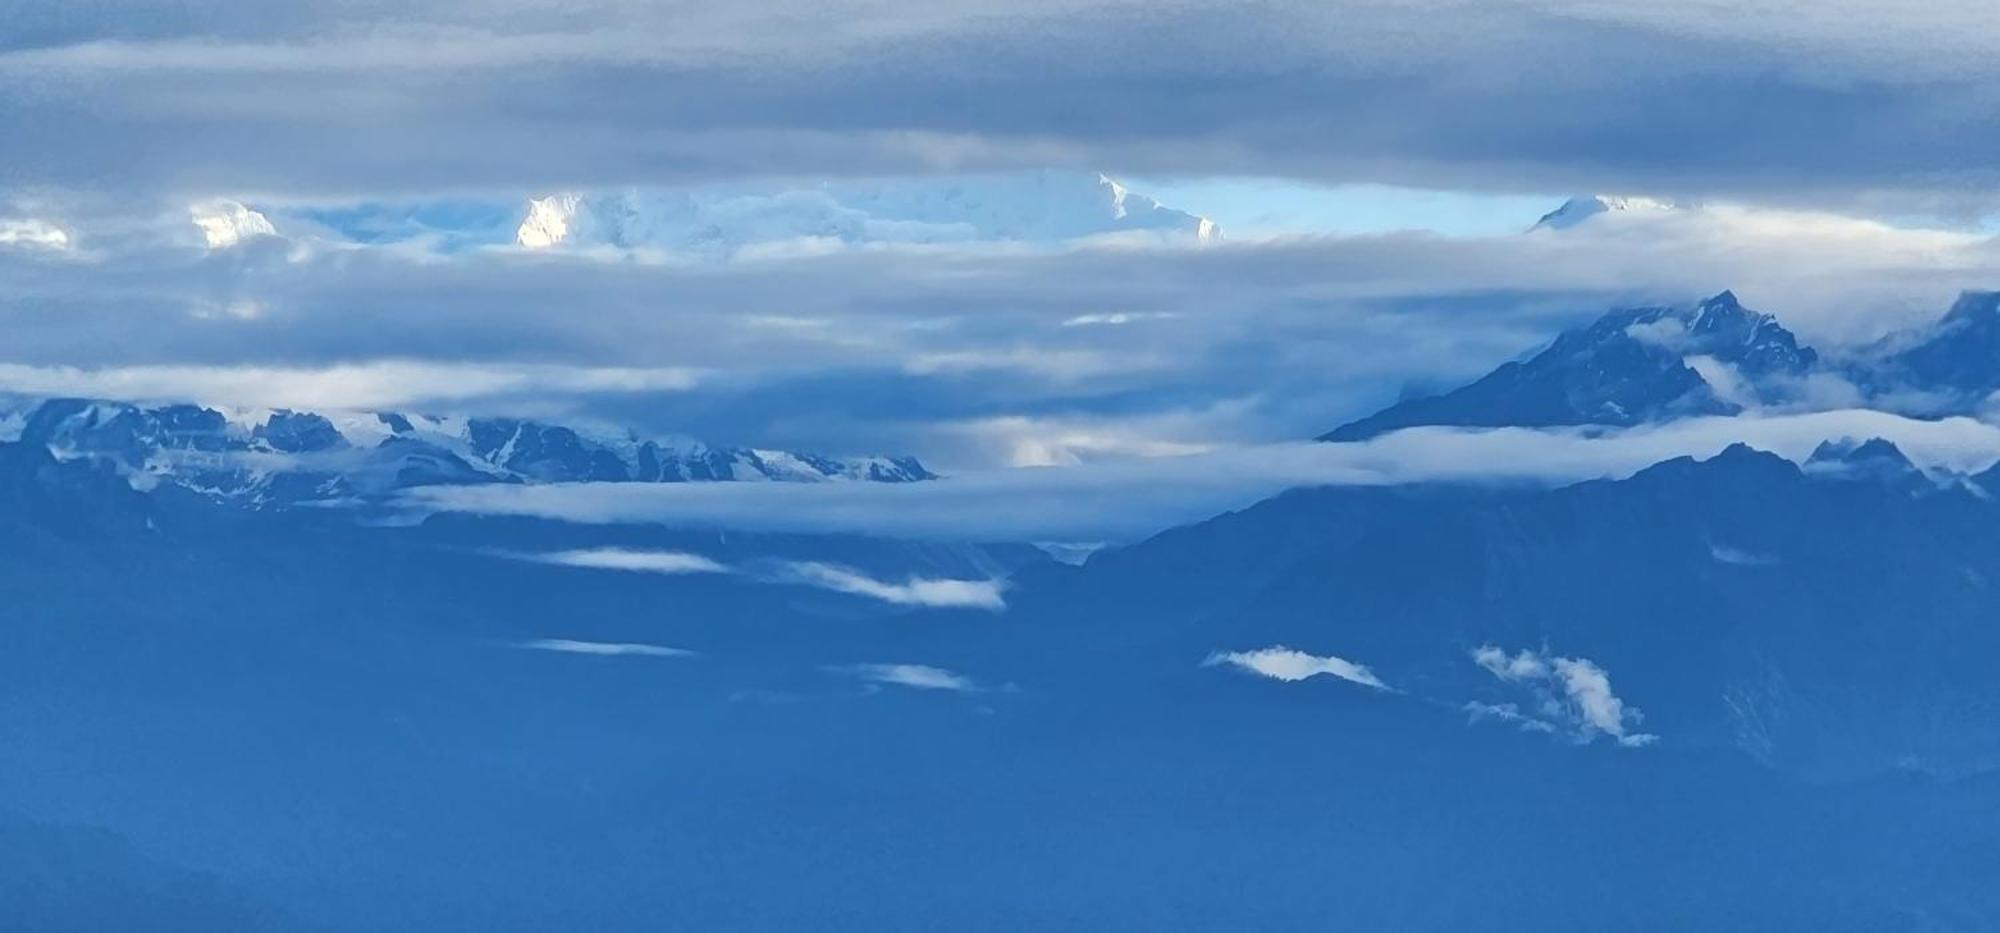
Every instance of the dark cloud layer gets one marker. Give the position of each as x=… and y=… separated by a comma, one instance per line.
x=1828, y=102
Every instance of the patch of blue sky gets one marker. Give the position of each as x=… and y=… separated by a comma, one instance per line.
x=454, y=224
x=1252, y=208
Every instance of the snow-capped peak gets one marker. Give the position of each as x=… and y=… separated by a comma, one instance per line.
x=1118, y=193
x=549, y=221
x=1578, y=209
x=224, y=223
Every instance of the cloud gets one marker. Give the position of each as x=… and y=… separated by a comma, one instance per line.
x=1815, y=100
x=1115, y=318
x=914, y=676
x=612, y=558
x=372, y=385
x=1122, y=500
x=1741, y=558
x=958, y=355
x=32, y=233
x=916, y=591
x=606, y=648
x=1286, y=664
x=1572, y=692
x=1021, y=441
x=1506, y=712
x=224, y=223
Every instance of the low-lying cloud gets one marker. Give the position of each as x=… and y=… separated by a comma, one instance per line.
x=1570, y=694
x=915, y=591
x=612, y=558
x=1123, y=500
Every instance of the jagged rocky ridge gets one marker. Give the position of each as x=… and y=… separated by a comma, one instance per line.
x=288, y=457
x=1638, y=365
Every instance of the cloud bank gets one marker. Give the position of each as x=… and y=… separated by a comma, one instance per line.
x=967, y=356
x=1810, y=100
x=1128, y=499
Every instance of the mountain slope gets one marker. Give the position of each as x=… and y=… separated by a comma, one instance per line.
x=1950, y=366
x=354, y=723
x=1827, y=621
x=1629, y=367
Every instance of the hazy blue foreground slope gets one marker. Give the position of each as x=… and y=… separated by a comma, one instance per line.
x=227, y=719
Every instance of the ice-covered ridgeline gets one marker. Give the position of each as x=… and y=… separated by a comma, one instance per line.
x=284, y=456
x=1583, y=207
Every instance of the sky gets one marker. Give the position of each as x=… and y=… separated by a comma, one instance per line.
x=871, y=227
x=1275, y=207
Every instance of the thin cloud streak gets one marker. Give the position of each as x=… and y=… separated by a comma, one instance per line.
x=913, y=676
x=916, y=591
x=605, y=648
x=1291, y=665
x=672, y=563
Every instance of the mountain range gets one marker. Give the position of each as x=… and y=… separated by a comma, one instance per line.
x=1735, y=692
x=287, y=457
x=1773, y=673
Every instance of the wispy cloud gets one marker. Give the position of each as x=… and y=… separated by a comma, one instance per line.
x=1115, y=318
x=915, y=591
x=1573, y=693
x=606, y=648
x=1506, y=712
x=1724, y=554
x=914, y=676
x=1287, y=664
